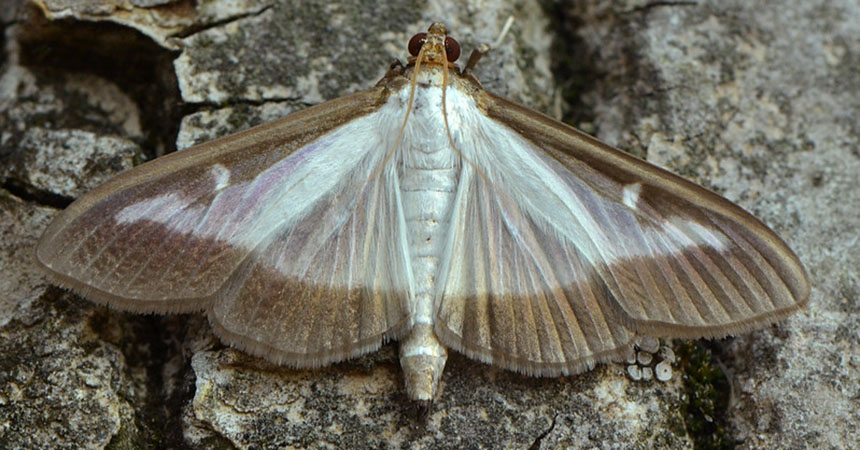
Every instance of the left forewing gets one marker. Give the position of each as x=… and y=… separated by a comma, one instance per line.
x=290, y=234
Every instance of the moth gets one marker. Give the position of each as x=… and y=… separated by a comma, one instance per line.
x=429, y=211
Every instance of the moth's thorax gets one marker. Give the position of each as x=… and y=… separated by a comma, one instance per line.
x=434, y=75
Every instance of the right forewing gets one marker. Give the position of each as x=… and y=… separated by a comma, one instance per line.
x=562, y=250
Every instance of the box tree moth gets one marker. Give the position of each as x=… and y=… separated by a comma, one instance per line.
x=429, y=211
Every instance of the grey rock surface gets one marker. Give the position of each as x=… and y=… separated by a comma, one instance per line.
x=758, y=103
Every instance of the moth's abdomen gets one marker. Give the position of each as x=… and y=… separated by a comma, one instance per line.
x=428, y=184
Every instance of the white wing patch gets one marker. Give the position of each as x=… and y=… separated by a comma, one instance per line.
x=329, y=276
x=244, y=213
x=579, y=209
x=142, y=210
x=631, y=195
x=221, y=175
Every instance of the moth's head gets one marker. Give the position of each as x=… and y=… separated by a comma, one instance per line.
x=434, y=47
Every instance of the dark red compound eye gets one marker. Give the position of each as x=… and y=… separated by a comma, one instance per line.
x=416, y=42
x=452, y=49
